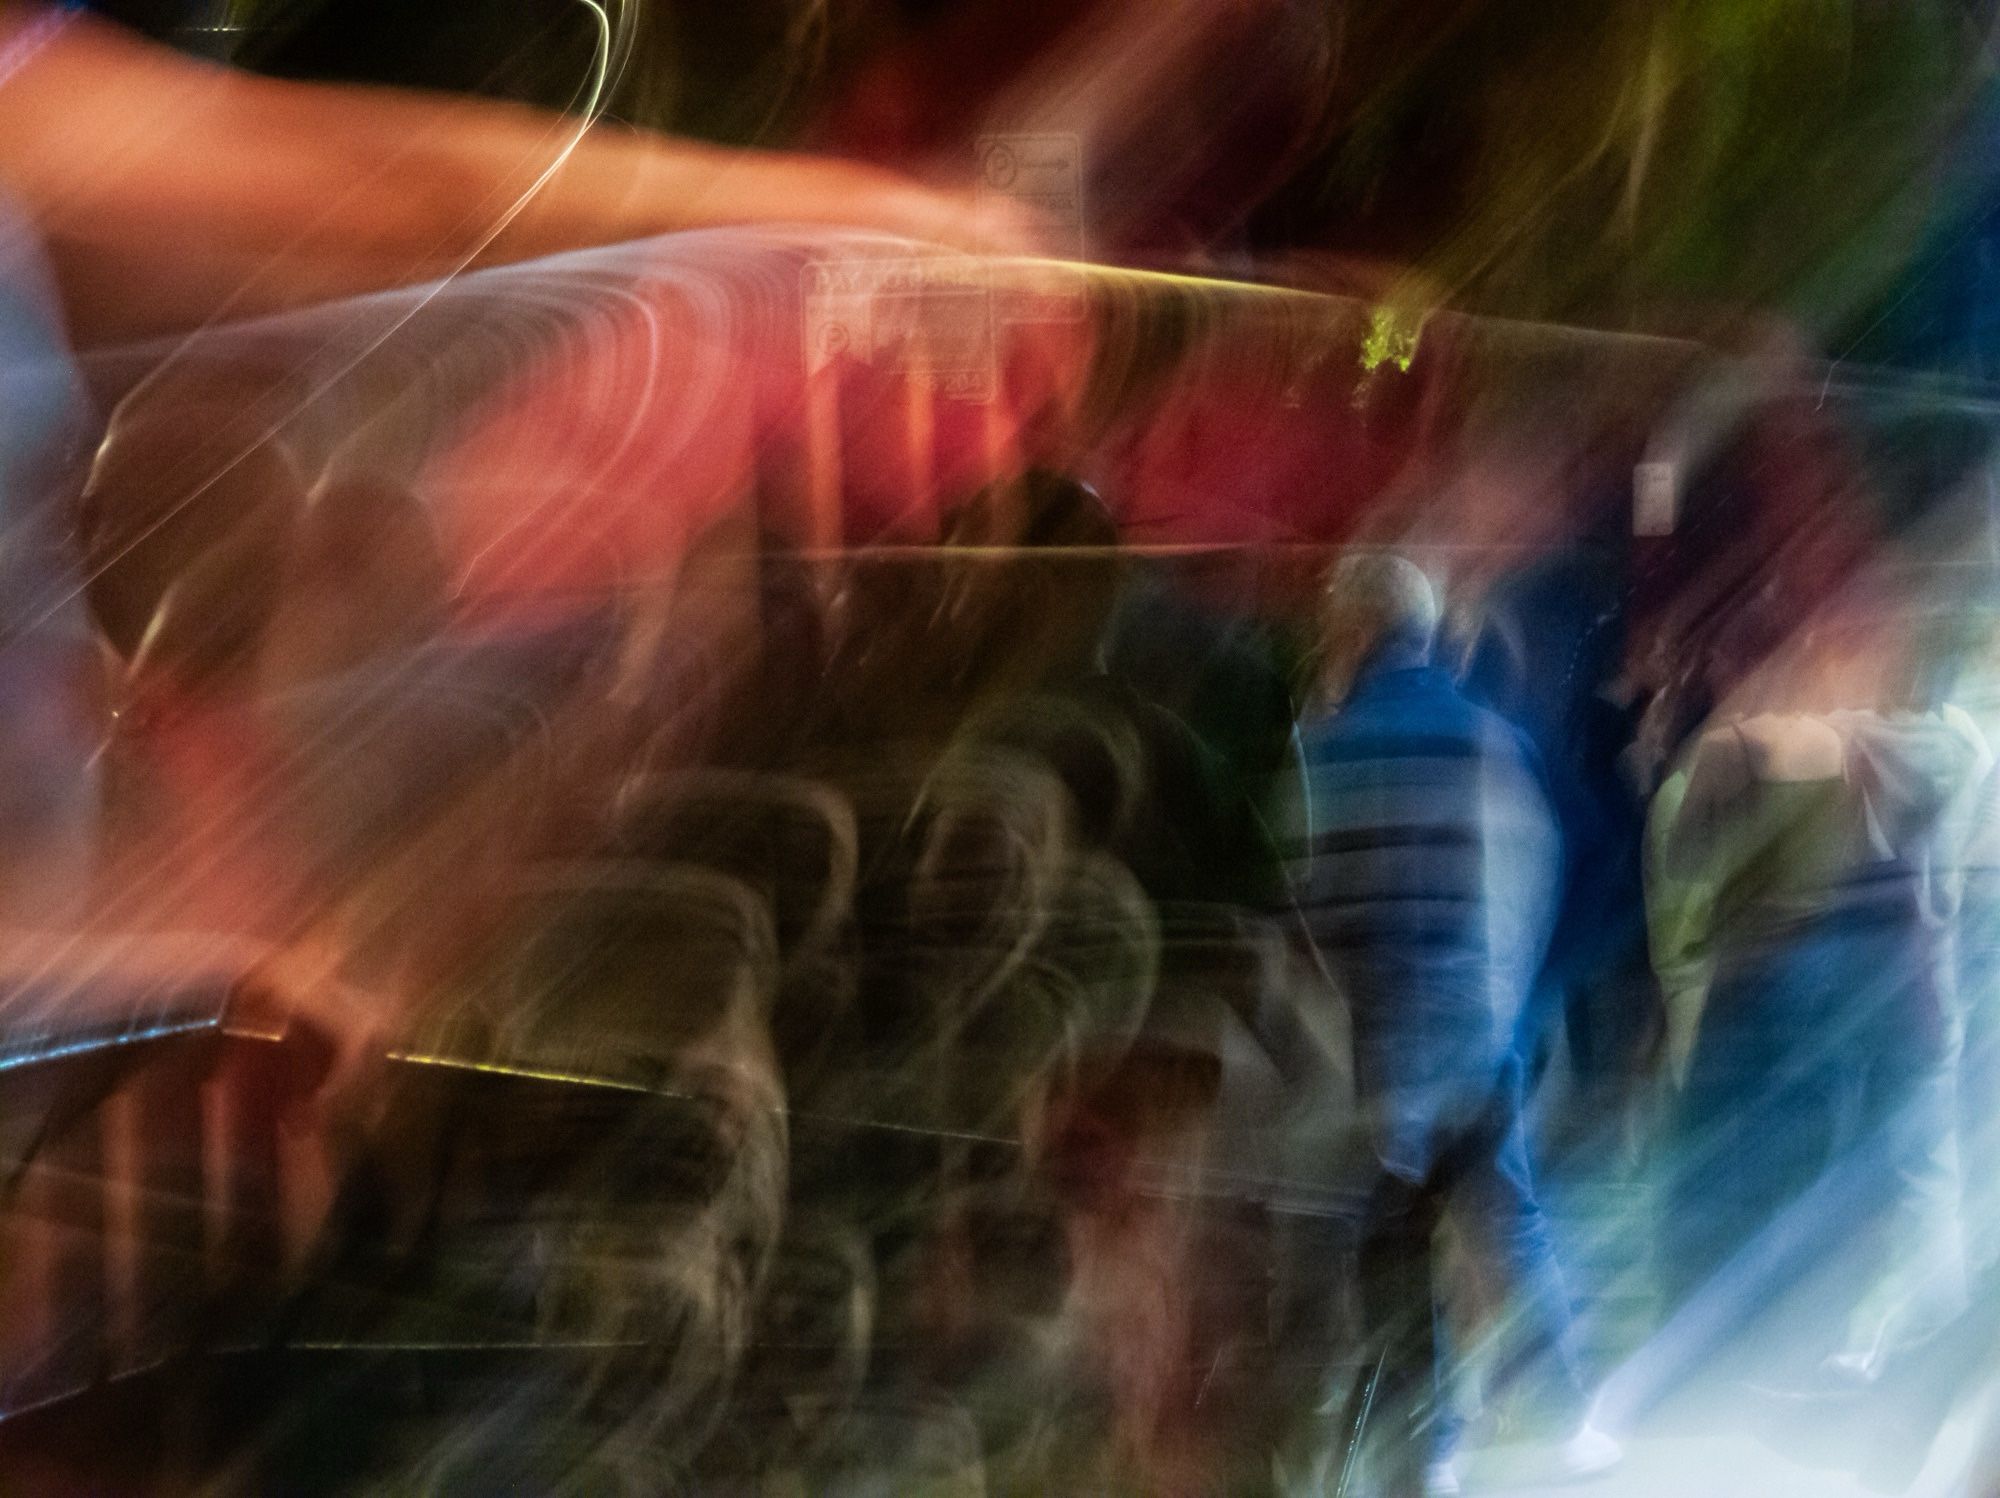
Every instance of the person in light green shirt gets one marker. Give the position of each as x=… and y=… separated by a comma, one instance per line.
x=1802, y=885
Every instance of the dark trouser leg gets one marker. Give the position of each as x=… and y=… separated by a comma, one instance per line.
x=1407, y=1428
x=1905, y=1143
x=1493, y=1191
x=1754, y=1125
x=1313, y=1344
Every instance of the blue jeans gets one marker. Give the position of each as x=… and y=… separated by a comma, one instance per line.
x=1477, y=1165
x=1832, y=1051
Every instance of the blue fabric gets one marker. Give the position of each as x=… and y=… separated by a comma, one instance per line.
x=1808, y=1052
x=1481, y=1169
x=1426, y=875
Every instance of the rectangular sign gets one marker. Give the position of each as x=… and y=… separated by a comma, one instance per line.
x=1655, y=499
x=1044, y=174
x=928, y=318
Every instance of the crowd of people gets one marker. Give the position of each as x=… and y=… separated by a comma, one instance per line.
x=1025, y=1028
x=996, y=1016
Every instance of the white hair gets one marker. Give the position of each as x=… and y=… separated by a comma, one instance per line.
x=1376, y=596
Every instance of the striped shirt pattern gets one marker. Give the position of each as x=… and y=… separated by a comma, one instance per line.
x=1425, y=859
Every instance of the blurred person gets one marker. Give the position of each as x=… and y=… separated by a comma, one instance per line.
x=1189, y=816
x=299, y=741
x=1934, y=478
x=186, y=556
x=1547, y=658
x=1221, y=671
x=1190, y=820
x=1150, y=847
x=1803, y=882
x=49, y=679
x=268, y=629
x=1428, y=882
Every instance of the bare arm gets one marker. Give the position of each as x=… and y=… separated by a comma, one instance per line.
x=169, y=190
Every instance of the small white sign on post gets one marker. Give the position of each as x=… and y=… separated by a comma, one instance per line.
x=1043, y=172
x=1656, y=499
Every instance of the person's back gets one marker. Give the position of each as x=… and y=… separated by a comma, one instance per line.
x=1844, y=838
x=1815, y=855
x=1546, y=658
x=1431, y=873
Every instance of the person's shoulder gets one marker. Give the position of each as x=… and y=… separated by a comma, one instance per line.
x=1734, y=755
x=1789, y=746
x=1356, y=728
x=1496, y=732
x=1320, y=725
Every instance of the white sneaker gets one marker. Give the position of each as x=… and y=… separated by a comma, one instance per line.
x=1441, y=1480
x=1851, y=1370
x=1587, y=1454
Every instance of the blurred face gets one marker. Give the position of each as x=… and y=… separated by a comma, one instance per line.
x=185, y=534
x=1339, y=660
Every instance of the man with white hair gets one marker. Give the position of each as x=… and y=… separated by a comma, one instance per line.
x=1427, y=869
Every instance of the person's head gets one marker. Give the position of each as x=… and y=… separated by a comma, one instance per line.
x=1040, y=601
x=186, y=524
x=1377, y=606
x=1781, y=650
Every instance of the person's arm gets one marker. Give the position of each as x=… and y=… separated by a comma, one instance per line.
x=1969, y=813
x=170, y=190
x=1526, y=869
x=1679, y=904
